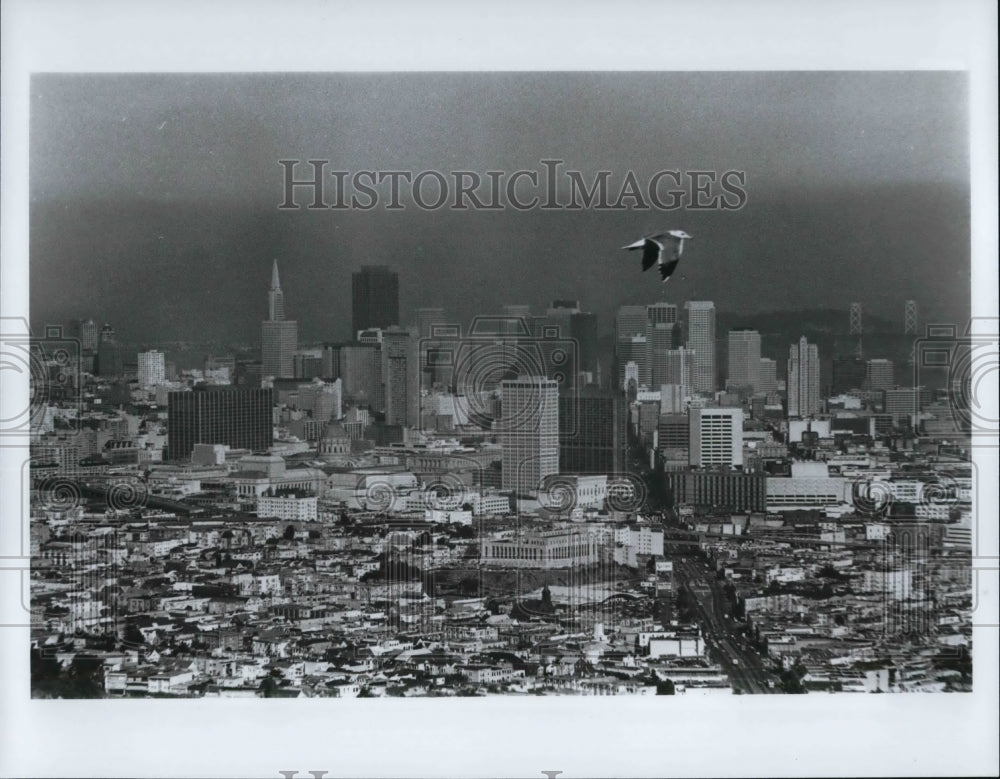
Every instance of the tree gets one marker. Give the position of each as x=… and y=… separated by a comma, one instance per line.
x=268, y=686
x=133, y=636
x=289, y=533
x=665, y=687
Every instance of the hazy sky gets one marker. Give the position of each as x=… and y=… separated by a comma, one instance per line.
x=154, y=197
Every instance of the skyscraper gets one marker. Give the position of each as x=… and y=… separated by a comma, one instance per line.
x=529, y=431
x=583, y=330
x=236, y=416
x=630, y=323
x=768, y=375
x=879, y=374
x=659, y=340
x=700, y=330
x=803, y=379
x=374, y=298
x=716, y=437
x=679, y=369
x=361, y=372
x=744, y=359
x=109, y=359
x=87, y=332
x=152, y=369
x=592, y=431
x=400, y=377
x=279, y=337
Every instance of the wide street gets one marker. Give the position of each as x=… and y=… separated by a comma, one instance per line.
x=724, y=637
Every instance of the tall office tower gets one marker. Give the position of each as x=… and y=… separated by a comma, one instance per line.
x=679, y=369
x=374, y=298
x=661, y=314
x=529, y=432
x=279, y=337
x=275, y=297
x=879, y=375
x=630, y=381
x=803, y=379
x=630, y=321
x=583, y=331
x=152, y=368
x=768, y=375
x=699, y=323
x=716, y=437
x=574, y=325
x=87, y=332
x=592, y=431
x=744, y=359
x=659, y=340
x=400, y=377
x=361, y=372
x=236, y=416
x=109, y=358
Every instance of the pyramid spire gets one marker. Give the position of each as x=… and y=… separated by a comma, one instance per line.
x=275, y=297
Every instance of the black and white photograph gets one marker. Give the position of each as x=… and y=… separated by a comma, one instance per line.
x=669, y=383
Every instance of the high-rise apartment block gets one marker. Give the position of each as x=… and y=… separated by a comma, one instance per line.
x=152, y=369
x=803, y=379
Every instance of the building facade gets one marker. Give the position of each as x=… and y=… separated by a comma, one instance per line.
x=374, y=298
x=529, y=432
x=700, y=331
x=803, y=379
x=236, y=416
x=744, y=359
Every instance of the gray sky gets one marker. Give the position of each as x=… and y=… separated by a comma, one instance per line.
x=154, y=198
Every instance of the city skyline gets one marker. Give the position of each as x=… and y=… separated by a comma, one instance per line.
x=862, y=181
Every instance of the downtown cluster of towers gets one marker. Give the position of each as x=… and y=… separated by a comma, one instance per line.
x=572, y=414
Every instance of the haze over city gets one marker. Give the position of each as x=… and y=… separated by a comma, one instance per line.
x=856, y=184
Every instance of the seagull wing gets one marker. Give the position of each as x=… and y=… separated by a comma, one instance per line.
x=667, y=269
x=652, y=252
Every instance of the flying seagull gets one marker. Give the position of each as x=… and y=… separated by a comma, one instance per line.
x=664, y=249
